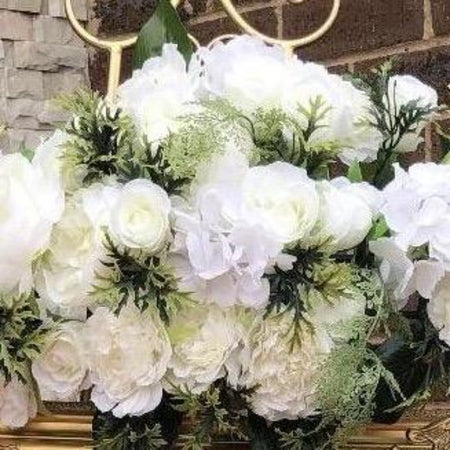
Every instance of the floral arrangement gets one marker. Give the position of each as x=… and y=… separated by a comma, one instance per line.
x=186, y=253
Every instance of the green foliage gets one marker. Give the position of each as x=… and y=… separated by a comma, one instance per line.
x=354, y=173
x=105, y=142
x=22, y=336
x=211, y=413
x=152, y=431
x=163, y=27
x=313, y=279
x=282, y=137
x=135, y=276
x=392, y=120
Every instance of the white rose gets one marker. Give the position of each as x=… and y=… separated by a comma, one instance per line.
x=345, y=215
x=284, y=198
x=439, y=309
x=17, y=404
x=61, y=371
x=140, y=218
x=402, y=90
x=127, y=356
x=159, y=93
x=247, y=72
x=204, y=339
x=283, y=381
x=30, y=203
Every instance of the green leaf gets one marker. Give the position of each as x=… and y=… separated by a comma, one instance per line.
x=163, y=27
x=354, y=173
x=446, y=159
x=379, y=229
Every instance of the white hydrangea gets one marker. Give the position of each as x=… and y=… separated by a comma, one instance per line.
x=205, y=341
x=439, y=309
x=347, y=225
x=284, y=381
x=128, y=357
x=234, y=229
x=402, y=90
x=159, y=93
x=30, y=204
x=61, y=370
x=17, y=404
x=417, y=208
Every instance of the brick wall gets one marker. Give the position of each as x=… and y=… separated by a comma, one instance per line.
x=366, y=33
x=40, y=57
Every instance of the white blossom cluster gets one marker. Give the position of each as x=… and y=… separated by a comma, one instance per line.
x=233, y=225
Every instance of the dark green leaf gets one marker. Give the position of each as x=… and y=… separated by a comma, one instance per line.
x=163, y=27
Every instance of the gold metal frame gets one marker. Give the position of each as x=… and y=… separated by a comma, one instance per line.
x=115, y=46
x=427, y=428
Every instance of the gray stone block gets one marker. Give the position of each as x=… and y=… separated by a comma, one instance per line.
x=15, y=26
x=24, y=84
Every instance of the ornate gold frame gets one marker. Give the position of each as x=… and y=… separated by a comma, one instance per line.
x=426, y=428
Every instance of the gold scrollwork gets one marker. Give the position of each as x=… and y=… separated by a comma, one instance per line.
x=116, y=46
x=437, y=434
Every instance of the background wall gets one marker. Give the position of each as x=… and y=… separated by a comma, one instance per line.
x=40, y=57
x=367, y=32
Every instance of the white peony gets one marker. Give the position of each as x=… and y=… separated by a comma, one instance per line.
x=247, y=72
x=284, y=381
x=402, y=90
x=205, y=340
x=30, y=204
x=159, y=93
x=439, y=309
x=284, y=199
x=140, y=217
x=61, y=371
x=127, y=356
x=17, y=404
x=66, y=274
x=346, y=213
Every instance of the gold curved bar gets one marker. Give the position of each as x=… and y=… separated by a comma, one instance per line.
x=116, y=46
x=289, y=44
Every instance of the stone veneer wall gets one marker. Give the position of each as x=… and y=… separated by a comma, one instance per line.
x=40, y=57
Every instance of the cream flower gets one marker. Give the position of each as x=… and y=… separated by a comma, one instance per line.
x=204, y=341
x=127, y=356
x=30, y=203
x=156, y=95
x=17, y=404
x=284, y=381
x=61, y=370
x=140, y=217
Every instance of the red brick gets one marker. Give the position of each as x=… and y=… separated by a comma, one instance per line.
x=263, y=20
x=361, y=25
x=440, y=10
